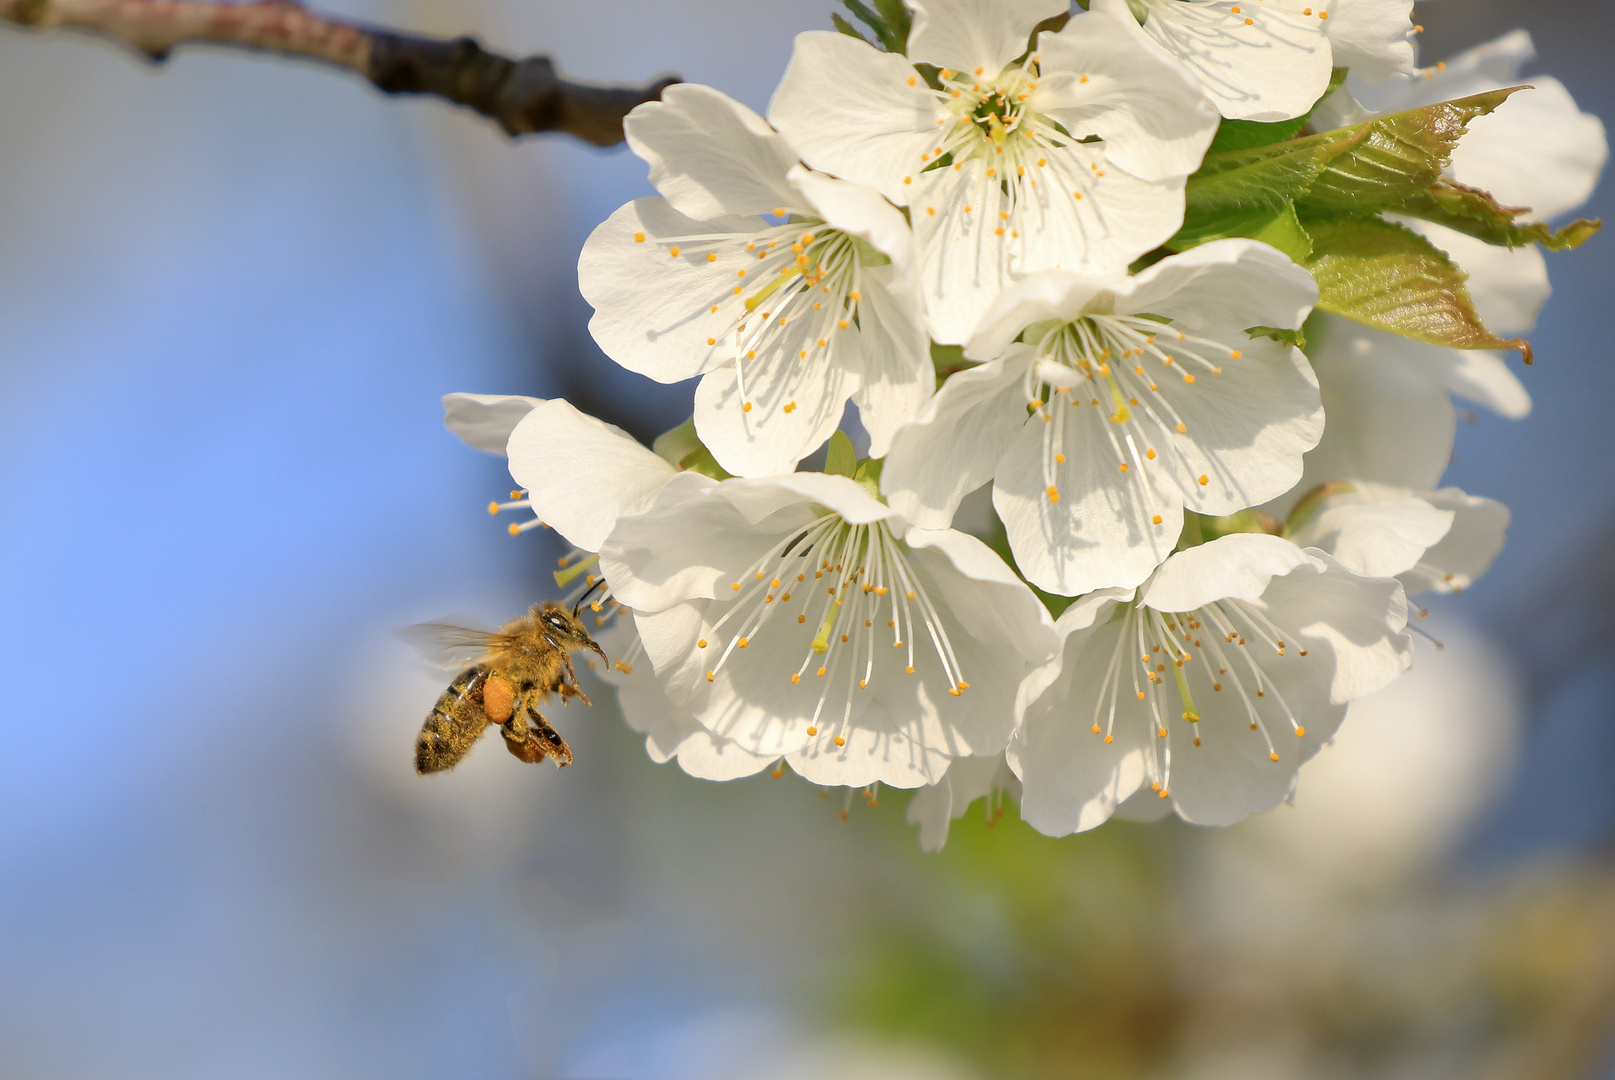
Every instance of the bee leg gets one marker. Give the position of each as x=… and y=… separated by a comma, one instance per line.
x=572, y=690
x=554, y=745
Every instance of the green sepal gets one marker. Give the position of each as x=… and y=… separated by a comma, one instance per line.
x=683, y=449
x=947, y=359
x=1476, y=213
x=1245, y=521
x=841, y=459
x=1296, y=339
x=1390, y=277
x=889, y=21
x=868, y=476
x=1310, y=503
x=847, y=28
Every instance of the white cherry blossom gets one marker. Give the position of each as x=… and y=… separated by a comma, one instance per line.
x=1433, y=541
x=1232, y=666
x=1129, y=399
x=1270, y=60
x=803, y=619
x=1073, y=157
x=785, y=318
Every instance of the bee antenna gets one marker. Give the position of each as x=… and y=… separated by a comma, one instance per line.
x=579, y=605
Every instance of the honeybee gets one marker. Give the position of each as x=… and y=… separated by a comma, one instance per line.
x=525, y=661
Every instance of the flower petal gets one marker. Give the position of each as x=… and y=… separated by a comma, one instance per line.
x=1537, y=149
x=1101, y=77
x=1239, y=566
x=975, y=34
x=1389, y=417
x=932, y=808
x=1102, y=532
x=1260, y=64
x=652, y=306
x=1245, y=429
x=1374, y=38
x=1363, y=620
x=485, y=421
x=1227, y=283
x=954, y=446
x=709, y=155
x=580, y=473
x=786, y=410
x=1084, y=215
x=1374, y=530
x=1071, y=779
x=1478, y=529
x=856, y=112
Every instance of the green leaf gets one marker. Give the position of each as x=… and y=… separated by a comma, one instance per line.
x=1264, y=177
x=1280, y=228
x=841, y=459
x=1474, y=212
x=1399, y=157
x=1245, y=134
x=1390, y=277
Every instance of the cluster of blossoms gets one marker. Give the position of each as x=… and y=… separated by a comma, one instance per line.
x=1179, y=279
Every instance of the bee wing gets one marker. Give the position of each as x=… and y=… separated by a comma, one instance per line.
x=447, y=646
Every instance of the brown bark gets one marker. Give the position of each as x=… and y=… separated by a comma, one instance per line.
x=523, y=96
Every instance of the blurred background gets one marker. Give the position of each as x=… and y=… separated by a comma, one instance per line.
x=231, y=293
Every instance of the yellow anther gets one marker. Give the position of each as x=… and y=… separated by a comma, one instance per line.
x=673, y=251
x=639, y=238
x=743, y=642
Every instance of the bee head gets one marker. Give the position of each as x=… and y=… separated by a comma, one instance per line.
x=565, y=629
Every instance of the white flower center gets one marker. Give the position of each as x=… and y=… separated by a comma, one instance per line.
x=1111, y=367
x=848, y=593
x=801, y=288
x=1168, y=646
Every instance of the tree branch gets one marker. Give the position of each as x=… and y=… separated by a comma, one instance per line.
x=523, y=96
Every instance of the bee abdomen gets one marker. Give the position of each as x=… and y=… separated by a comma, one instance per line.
x=454, y=724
